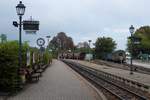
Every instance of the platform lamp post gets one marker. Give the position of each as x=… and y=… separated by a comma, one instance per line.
x=89, y=49
x=89, y=45
x=20, y=8
x=131, y=29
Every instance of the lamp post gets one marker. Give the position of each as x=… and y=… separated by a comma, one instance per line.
x=89, y=45
x=89, y=49
x=20, y=8
x=131, y=29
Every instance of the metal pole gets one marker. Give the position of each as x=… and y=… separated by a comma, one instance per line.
x=89, y=51
x=20, y=42
x=131, y=64
x=89, y=47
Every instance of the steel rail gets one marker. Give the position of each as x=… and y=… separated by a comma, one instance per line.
x=138, y=69
x=91, y=74
x=95, y=82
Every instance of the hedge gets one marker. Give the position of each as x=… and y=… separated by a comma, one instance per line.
x=9, y=64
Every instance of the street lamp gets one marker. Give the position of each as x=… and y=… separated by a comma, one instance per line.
x=89, y=49
x=131, y=29
x=20, y=9
x=89, y=45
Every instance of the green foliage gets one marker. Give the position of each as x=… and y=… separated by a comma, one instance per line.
x=82, y=47
x=144, y=34
x=103, y=46
x=62, y=42
x=9, y=75
x=144, y=46
x=47, y=57
x=9, y=64
x=54, y=54
x=86, y=50
x=3, y=38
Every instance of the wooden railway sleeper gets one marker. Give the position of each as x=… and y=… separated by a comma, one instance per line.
x=132, y=92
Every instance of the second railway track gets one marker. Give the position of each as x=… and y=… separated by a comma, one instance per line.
x=118, y=90
x=125, y=66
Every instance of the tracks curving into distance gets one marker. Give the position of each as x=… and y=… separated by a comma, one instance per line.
x=116, y=89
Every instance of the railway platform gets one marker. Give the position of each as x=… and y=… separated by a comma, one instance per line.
x=140, y=63
x=138, y=77
x=58, y=82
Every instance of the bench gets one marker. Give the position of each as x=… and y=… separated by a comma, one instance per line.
x=34, y=77
x=40, y=71
x=36, y=72
x=43, y=67
x=4, y=93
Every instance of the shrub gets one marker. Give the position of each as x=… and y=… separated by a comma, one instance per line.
x=9, y=64
x=47, y=57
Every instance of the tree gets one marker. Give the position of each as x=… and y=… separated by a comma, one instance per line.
x=144, y=34
x=61, y=42
x=82, y=47
x=103, y=46
x=3, y=38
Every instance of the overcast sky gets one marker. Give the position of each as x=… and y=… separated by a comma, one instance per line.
x=80, y=19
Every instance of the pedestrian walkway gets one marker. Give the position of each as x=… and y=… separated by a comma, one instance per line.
x=139, y=77
x=57, y=83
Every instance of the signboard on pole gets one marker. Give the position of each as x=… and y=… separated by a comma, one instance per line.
x=30, y=26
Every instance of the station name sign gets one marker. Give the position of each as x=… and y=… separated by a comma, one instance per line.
x=30, y=25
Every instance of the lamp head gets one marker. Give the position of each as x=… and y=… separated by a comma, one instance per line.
x=131, y=29
x=90, y=40
x=20, y=8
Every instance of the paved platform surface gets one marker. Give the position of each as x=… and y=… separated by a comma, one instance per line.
x=57, y=83
x=142, y=78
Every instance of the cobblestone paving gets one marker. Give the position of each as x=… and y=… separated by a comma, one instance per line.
x=57, y=83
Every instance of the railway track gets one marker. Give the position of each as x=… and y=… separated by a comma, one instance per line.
x=114, y=88
x=125, y=66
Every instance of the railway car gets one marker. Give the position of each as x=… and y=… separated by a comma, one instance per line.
x=117, y=56
x=82, y=55
x=71, y=55
x=76, y=55
x=109, y=57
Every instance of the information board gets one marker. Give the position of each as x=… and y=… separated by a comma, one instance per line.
x=31, y=25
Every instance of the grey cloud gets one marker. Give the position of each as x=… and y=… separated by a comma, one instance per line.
x=82, y=19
